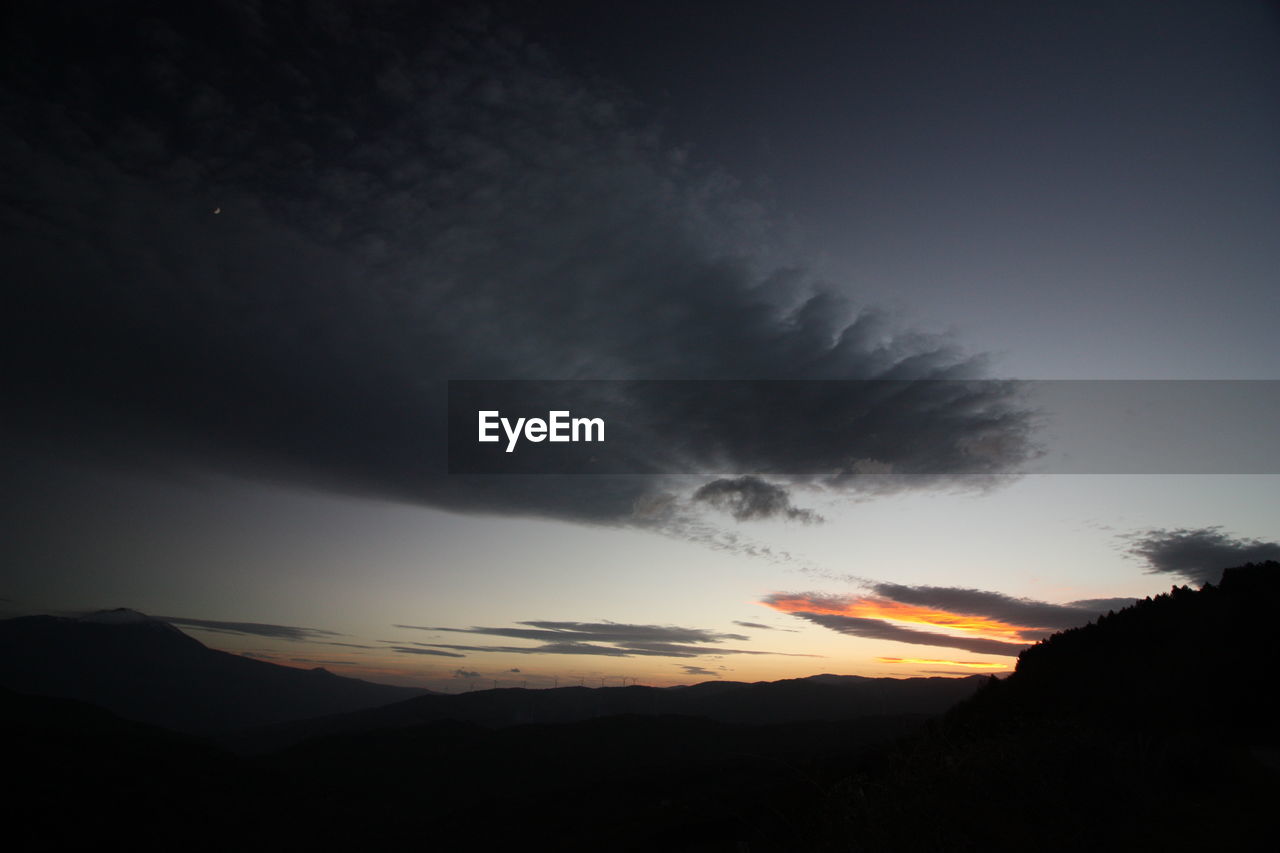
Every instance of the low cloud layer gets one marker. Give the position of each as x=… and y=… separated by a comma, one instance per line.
x=273, y=267
x=607, y=639
x=1198, y=554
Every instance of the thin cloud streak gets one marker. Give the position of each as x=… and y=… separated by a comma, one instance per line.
x=607, y=639
x=254, y=629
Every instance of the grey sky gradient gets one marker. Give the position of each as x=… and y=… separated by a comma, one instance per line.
x=247, y=243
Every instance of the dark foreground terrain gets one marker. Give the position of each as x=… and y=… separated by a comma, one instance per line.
x=1149, y=730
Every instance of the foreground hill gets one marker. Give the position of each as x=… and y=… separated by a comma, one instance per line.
x=147, y=670
x=1154, y=728
x=817, y=698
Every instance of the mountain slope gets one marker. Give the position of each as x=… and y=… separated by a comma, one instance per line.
x=819, y=698
x=147, y=670
x=1153, y=728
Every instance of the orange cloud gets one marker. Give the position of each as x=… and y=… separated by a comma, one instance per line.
x=974, y=664
x=879, y=608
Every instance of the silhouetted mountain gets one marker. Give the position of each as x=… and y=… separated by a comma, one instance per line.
x=818, y=698
x=1153, y=728
x=1147, y=730
x=78, y=774
x=147, y=670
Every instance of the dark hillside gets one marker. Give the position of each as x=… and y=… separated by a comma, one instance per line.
x=145, y=669
x=1150, y=729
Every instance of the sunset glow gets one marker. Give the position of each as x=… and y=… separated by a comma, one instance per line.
x=877, y=608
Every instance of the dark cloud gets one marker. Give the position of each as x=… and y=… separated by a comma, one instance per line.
x=514, y=669
x=608, y=639
x=761, y=627
x=878, y=629
x=750, y=498
x=253, y=629
x=1198, y=554
x=465, y=673
x=1101, y=605
x=402, y=196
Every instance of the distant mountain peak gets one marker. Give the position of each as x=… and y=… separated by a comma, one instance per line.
x=118, y=616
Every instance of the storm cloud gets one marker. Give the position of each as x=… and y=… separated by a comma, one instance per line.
x=259, y=238
x=1198, y=554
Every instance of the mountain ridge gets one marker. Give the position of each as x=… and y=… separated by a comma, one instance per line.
x=145, y=669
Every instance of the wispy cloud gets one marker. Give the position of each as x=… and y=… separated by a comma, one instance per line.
x=698, y=670
x=408, y=650
x=973, y=664
x=323, y=662
x=879, y=629
x=974, y=620
x=750, y=498
x=1033, y=616
x=607, y=639
x=253, y=629
x=875, y=608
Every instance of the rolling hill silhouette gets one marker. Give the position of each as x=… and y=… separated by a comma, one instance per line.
x=1153, y=728
x=816, y=698
x=144, y=669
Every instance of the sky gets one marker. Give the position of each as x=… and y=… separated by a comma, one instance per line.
x=249, y=245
